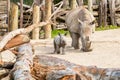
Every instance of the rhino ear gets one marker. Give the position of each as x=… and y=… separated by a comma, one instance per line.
x=59, y=34
x=80, y=21
x=65, y=34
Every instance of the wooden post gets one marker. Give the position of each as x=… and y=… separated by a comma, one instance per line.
x=79, y=2
x=90, y=5
x=65, y=4
x=47, y=28
x=36, y=19
x=21, y=13
x=102, y=13
x=8, y=13
x=73, y=4
x=112, y=11
x=105, y=13
x=14, y=17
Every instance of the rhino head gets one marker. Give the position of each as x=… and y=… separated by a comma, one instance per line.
x=86, y=30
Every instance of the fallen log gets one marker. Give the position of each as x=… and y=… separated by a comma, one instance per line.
x=16, y=41
x=7, y=59
x=7, y=62
x=51, y=68
x=3, y=72
x=24, y=62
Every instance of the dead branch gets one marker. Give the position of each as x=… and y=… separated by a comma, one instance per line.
x=16, y=41
x=58, y=3
x=31, y=8
x=117, y=8
x=56, y=11
x=14, y=33
x=24, y=5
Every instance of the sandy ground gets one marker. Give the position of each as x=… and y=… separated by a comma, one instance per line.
x=105, y=54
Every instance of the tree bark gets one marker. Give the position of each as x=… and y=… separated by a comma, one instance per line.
x=102, y=13
x=90, y=6
x=73, y=4
x=21, y=70
x=14, y=33
x=8, y=13
x=112, y=11
x=16, y=41
x=105, y=13
x=80, y=2
x=21, y=13
x=47, y=28
x=65, y=4
x=51, y=68
x=36, y=19
x=14, y=17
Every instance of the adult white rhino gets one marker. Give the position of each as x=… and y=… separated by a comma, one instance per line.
x=80, y=23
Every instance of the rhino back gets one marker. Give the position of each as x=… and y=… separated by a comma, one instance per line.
x=73, y=16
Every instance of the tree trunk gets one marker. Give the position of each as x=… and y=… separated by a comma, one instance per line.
x=65, y=4
x=90, y=5
x=21, y=13
x=80, y=2
x=47, y=28
x=36, y=19
x=14, y=17
x=105, y=13
x=8, y=13
x=102, y=13
x=112, y=11
x=73, y=4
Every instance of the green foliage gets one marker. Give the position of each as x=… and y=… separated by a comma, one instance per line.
x=55, y=32
x=57, y=1
x=85, y=2
x=28, y=2
x=106, y=28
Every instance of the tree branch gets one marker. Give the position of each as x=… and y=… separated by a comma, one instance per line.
x=12, y=34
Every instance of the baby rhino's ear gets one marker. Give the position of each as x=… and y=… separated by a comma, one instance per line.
x=65, y=34
x=59, y=34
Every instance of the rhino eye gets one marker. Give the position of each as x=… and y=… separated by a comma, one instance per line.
x=91, y=23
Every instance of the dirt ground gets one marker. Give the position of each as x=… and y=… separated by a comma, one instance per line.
x=105, y=54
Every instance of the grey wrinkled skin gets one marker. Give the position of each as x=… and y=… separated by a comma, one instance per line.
x=81, y=24
x=59, y=43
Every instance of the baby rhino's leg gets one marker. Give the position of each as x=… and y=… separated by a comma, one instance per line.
x=63, y=50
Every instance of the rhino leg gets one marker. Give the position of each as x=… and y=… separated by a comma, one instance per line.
x=75, y=40
x=63, y=50
x=55, y=51
x=56, y=48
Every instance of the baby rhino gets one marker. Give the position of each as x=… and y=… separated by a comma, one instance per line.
x=59, y=43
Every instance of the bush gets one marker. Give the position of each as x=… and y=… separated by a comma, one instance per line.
x=106, y=28
x=55, y=32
